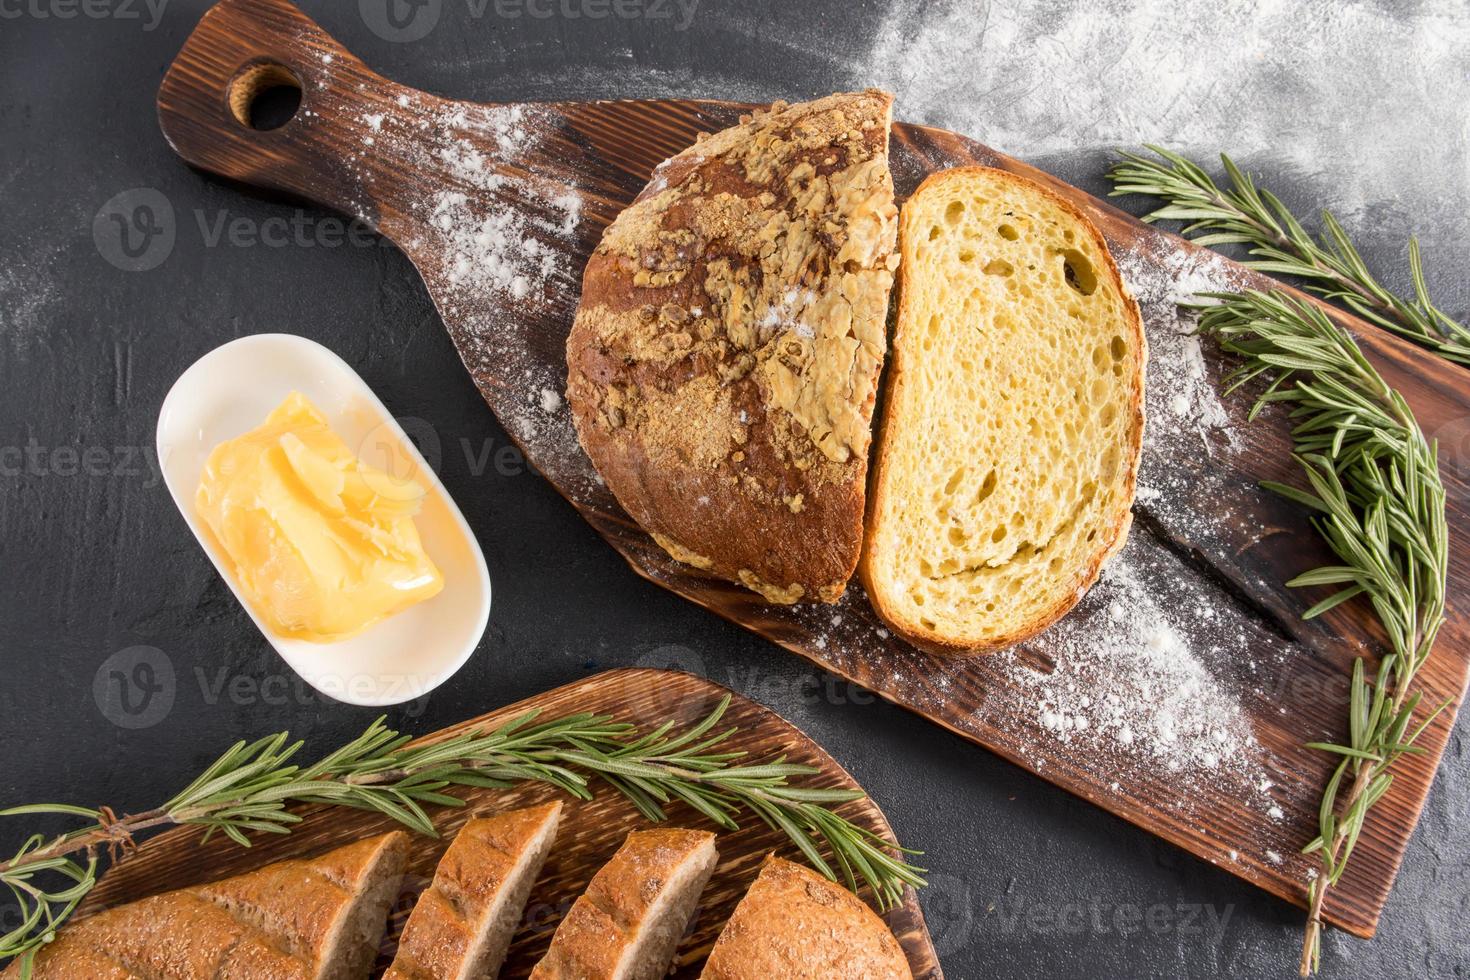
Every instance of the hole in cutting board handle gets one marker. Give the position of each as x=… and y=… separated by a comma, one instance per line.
x=265, y=96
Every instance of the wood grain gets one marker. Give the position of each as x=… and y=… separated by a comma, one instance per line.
x=1207, y=527
x=590, y=830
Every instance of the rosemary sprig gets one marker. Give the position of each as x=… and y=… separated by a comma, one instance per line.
x=1330, y=266
x=1378, y=502
x=250, y=788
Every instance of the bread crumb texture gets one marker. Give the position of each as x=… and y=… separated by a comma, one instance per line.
x=723, y=365
x=1013, y=431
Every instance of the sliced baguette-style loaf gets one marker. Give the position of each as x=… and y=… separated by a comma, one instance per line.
x=723, y=365
x=462, y=924
x=1009, y=452
x=628, y=923
x=793, y=924
x=320, y=919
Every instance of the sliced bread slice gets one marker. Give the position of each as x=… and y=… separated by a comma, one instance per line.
x=320, y=919
x=462, y=925
x=793, y=924
x=628, y=923
x=1009, y=452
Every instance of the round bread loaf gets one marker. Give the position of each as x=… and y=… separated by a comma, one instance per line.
x=723, y=366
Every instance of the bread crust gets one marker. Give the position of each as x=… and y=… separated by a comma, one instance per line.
x=793, y=924
x=607, y=919
x=723, y=365
x=1112, y=538
x=276, y=923
x=477, y=872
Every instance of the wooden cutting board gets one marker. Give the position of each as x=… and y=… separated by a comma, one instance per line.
x=590, y=831
x=1178, y=695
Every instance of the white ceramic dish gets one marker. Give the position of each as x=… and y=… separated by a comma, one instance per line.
x=230, y=391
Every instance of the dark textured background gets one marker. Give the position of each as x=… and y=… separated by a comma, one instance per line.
x=1359, y=106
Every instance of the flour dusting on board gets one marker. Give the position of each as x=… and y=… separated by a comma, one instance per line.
x=1182, y=400
x=500, y=237
x=495, y=248
x=1138, y=677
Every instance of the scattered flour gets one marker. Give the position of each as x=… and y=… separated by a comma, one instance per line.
x=1134, y=681
x=1181, y=399
x=497, y=234
x=496, y=246
x=1185, y=480
x=1267, y=80
x=28, y=292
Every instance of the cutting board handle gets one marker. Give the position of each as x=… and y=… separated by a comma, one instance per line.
x=244, y=48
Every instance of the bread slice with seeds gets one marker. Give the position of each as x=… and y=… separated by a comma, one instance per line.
x=1008, y=458
x=463, y=923
x=723, y=365
x=318, y=919
x=793, y=924
x=628, y=923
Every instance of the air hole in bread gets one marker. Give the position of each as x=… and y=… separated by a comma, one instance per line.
x=966, y=255
x=1080, y=274
x=999, y=534
x=1008, y=232
x=1119, y=348
x=954, y=212
x=934, y=233
x=997, y=267
x=954, y=481
x=986, y=488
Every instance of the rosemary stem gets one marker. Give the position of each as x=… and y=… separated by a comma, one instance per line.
x=119, y=831
x=1313, y=937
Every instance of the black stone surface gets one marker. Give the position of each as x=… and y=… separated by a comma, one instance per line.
x=95, y=561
